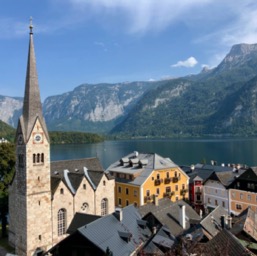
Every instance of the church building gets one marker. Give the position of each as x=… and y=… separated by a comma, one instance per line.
x=44, y=196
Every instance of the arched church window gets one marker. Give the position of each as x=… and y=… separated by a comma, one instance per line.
x=104, y=206
x=34, y=158
x=61, y=218
x=42, y=157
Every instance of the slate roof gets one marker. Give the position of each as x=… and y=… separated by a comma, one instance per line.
x=247, y=222
x=167, y=213
x=212, y=222
x=203, y=174
x=225, y=243
x=72, y=172
x=226, y=178
x=79, y=220
x=140, y=165
x=108, y=231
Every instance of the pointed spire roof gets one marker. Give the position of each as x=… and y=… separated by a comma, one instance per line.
x=32, y=107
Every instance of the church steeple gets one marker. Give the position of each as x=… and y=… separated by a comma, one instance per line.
x=32, y=107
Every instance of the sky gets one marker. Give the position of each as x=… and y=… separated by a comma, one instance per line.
x=115, y=41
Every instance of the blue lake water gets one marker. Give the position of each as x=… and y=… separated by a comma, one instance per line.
x=181, y=151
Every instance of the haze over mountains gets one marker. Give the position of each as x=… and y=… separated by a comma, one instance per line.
x=219, y=101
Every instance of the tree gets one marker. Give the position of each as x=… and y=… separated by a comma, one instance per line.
x=7, y=168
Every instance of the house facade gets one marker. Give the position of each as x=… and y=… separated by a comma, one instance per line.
x=140, y=177
x=243, y=192
x=44, y=196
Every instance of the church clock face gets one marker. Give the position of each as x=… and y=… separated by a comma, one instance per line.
x=38, y=138
x=20, y=139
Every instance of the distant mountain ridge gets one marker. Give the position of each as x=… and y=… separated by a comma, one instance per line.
x=221, y=100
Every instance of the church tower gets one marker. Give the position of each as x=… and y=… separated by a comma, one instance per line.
x=30, y=230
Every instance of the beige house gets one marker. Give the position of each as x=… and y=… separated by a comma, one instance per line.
x=44, y=195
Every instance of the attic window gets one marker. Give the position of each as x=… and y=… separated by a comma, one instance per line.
x=104, y=183
x=126, y=236
x=61, y=191
x=84, y=186
x=142, y=223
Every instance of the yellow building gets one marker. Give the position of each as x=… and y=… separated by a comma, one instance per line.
x=140, y=177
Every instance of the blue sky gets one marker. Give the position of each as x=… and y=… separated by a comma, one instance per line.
x=94, y=41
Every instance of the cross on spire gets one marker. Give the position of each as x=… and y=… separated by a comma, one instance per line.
x=30, y=25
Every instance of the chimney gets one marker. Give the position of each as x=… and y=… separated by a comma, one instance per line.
x=119, y=214
x=222, y=221
x=156, y=200
x=229, y=219
x=182, y=216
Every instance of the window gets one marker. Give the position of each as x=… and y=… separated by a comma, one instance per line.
x=176, y=174
x=119, y=202
x=104, y=206
x=38, y=158
x=135, y=192
x=147, y=192
x=61, y=219
x=39, y=237
x=176, y=187
x=168, y=189
x=233, y=194
x=158, y=176
x=119, y=189
x=84, y=207
x=61, y=191
x=167, y=174
x=223, y=204
x=241, y=196
x=127, y=191
x=42, y=158
x=34, y=158
x=249, y=197
x=84, y=186
x=183, y=186
x=176, y=198
x=238, y=206
x=216, y=202
x=135, y=204
x=157, y=191
x=127, y=202
x=152, y=178
x=104, y=182
x=216, y=191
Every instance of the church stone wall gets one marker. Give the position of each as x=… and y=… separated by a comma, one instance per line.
x=105, y=191
x=62, y=200
x=85, y=195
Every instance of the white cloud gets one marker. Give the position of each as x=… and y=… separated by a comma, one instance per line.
x=188, y=63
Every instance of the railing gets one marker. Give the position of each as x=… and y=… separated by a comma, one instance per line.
x=167, y=180
x=175, y=179
x=169, y=194
x=183, y=192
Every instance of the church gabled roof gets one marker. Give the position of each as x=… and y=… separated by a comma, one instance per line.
x=32, y=107
x=72, y=172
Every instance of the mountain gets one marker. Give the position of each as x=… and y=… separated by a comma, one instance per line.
x=11, y=108
x=201, y=104
x=220, y=100
x=93, y=108
x=6, y=131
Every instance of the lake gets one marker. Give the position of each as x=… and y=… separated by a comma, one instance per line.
x=180, y=151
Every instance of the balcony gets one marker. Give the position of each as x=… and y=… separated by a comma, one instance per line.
x=183, y=192
x=148, y=199
x=158, y=182
x=169, y=194
x=175, y=179
x=167, y=180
